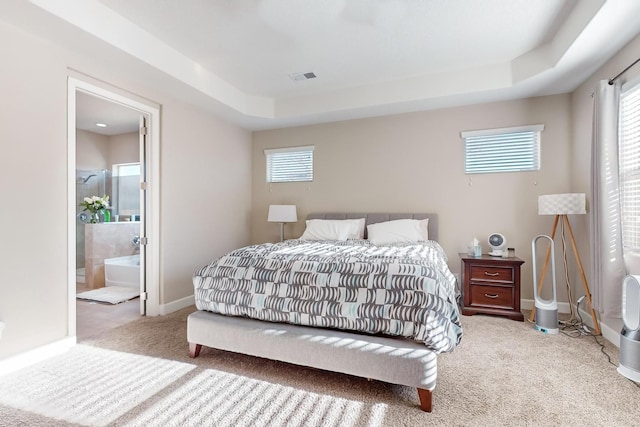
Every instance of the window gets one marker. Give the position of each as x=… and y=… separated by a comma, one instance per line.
x=126, y=169
x=514, y=149
x=290, y=164
x=629, y=166
x=125, y=189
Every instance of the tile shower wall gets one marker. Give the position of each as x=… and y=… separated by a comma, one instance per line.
x=106, y=240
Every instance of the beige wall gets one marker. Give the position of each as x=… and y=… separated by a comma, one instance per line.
x=92, y=150
x=415, y=163
x=205, y=185
x=124, y=148
x=206, y=202
x=96, y=151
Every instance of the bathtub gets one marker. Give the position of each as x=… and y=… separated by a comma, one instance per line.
x=122, y=271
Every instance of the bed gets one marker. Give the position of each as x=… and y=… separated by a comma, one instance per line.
x=364, y=307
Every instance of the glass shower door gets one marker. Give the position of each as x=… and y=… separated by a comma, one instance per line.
x=88, y=183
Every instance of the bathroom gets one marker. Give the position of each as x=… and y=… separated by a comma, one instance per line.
x=108, y=268
x=116, y=235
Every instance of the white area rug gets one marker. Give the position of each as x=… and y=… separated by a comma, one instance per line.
x=110, y=294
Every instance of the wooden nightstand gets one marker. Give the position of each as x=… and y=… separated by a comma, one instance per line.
x=491, y=285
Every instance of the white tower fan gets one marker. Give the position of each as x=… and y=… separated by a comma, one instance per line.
x=546, y=310
x=630, y=333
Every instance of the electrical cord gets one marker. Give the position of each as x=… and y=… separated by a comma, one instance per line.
x=566, y=273
x=601, y=344
x=573, y=327
x=587, y=332
x=577, y=329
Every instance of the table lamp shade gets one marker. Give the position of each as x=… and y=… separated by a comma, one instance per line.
x=282, y=213
x=562, y=204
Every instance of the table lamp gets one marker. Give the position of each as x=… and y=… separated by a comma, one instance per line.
x=282, y=214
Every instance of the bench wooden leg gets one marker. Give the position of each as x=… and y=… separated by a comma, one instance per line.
x=194, y=350
x=425, y=399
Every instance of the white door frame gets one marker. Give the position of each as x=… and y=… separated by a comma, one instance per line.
x=152, y=204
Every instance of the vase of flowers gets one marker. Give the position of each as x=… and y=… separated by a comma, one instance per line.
x=95, y=205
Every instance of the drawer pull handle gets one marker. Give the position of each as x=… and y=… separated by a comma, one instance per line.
x=491, y=296
x=486, y=273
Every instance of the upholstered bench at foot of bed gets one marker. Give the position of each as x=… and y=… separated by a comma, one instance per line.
x=392, y=360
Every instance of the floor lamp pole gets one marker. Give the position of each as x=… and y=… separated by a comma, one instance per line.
x=580, y=268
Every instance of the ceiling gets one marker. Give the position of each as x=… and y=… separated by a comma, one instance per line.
x=91, y=110
x=371, y=57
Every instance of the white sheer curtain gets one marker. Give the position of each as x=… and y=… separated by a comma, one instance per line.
x=607, y=262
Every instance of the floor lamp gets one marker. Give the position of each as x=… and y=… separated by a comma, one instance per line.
x=282, y=214
x=562, y=205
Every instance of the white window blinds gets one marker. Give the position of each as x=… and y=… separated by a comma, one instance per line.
x=629, y=166
x=512, y=149
x=292, y=164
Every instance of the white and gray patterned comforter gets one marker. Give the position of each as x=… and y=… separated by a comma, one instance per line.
x=402, y=290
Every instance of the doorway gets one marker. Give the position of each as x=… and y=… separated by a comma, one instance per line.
x=107, y=249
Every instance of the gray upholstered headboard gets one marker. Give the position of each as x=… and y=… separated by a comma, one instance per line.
x=372, y=218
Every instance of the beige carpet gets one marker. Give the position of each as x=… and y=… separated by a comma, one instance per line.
x=503, y=373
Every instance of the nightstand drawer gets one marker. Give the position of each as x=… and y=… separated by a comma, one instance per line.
x=492, y=273
x=492, y=296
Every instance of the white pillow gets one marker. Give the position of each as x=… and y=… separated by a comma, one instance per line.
x=398, y=231
x=358, y=229
x=332, y=229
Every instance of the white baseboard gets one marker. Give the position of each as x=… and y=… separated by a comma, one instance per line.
x=36, y=355
x=177, y=305
x=527, y=304
x=610, y=334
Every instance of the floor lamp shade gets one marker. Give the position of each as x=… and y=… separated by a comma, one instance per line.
x=562, y=204
x=282, y=214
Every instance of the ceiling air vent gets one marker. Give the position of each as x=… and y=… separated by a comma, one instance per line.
x=302, y=76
